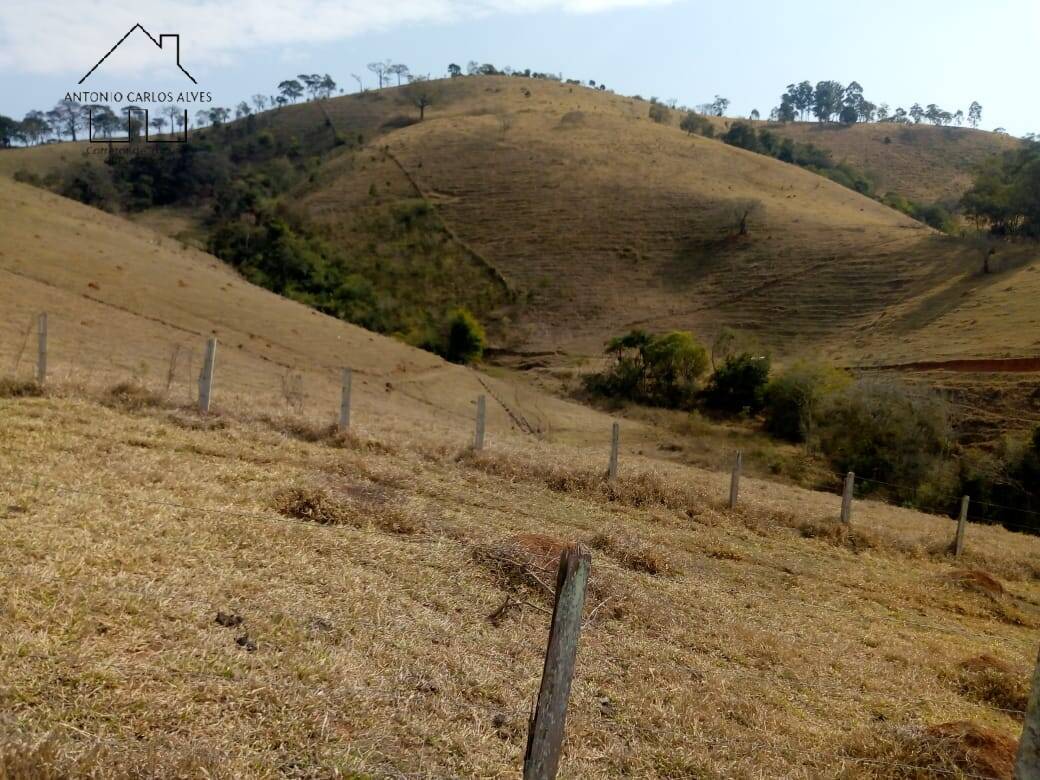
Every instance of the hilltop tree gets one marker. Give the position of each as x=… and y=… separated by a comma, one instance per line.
x=68, y=117
x=157, y=123
x=380, y=69
x=291, y=89
x=10, y=129
x=326, y=86
x=916, y=113
x=176, y=115
x=787, y=110
x=803, y=97
x=35, y=127
x=398, y=70
x=827, y=100
x=454, y=70
x=259, y=102
x=974, y=114
x=755, y=116
x=719, y=106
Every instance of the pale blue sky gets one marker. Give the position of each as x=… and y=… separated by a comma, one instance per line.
x=949, y=52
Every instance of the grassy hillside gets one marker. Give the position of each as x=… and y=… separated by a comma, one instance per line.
x=389, y=581
x=920, y=162
x=596, y=219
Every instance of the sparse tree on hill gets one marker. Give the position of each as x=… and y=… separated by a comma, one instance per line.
x=399, y=70
x=380, y=69
x=174, y=113
x=357, y=78
x=755, y=116
x=882, y=112
x=259, y=102
x=472, y=68
x=242, y=110
x=916, y=113
x=719, y=106
x=68, y=117
x=454, y=70
x=34, y=127
x=157, y=123
x=291, y=89
x=9, y=131
x=974, y=114
x=326, y=86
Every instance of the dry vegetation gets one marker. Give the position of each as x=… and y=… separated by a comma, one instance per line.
x=254, y=594
x=241, y=601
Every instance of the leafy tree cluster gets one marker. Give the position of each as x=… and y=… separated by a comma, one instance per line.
x=1005, y=196
x=656, y=369
x=805, y=155
x=832, y=101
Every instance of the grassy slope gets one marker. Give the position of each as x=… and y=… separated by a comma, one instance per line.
x=920, y=162
x=375, y=654
x=600, y=220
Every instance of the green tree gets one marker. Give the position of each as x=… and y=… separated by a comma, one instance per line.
x=739, y=383
x=465, y=340
x=794, y=398
x=827, y=99
x=291, y=89
x=974, y=114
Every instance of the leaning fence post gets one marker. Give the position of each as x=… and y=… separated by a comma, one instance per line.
x=615, y=440
x=478, y=438
x=206, y=376
x=1027, y=762
x=734, y=482
x=962, y=521
x=344, y=401
x=545, y=730
x=846, y=498
x=41, y=356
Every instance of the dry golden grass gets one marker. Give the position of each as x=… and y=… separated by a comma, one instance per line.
x=717, y=643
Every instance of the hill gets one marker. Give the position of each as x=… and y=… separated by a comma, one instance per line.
x=249, y=593
x=921, y=162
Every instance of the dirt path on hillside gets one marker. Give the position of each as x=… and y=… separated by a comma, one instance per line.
x=970, y=365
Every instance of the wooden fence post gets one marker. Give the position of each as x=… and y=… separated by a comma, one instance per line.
x=41, y=354
x=615, y=441
x=846, y=498
x=344, y=401
x=962, y=521
x=545, y=730
x=734, y=482
x=478, y=439
x=1027, y=762
x=206, y=376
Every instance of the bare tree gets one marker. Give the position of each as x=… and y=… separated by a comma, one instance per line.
x=380, y=69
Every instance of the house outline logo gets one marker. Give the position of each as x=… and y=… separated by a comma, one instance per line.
x=159, y=43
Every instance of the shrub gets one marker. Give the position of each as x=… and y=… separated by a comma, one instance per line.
x=658, y=369
x=739, y=383
x=884, y=432
x=465, y=340
x=793, y=399
x=658, y=112
x=695, y=123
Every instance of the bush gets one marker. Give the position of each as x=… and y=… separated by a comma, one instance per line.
x=658, y=369
x=793, y=399
x=884, y=432
x=695, y=123
x=739, y=383
x=465, y=339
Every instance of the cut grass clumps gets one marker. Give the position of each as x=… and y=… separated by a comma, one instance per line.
x=839, y=534
x=954, y=749
x=633, y=553
x=355, y=506
x=19, y=388
x=990, y=680
x=638, y=490
x=525, y=566
x=131, y=397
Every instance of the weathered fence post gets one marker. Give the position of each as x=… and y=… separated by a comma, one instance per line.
x=615, y=441
x=846, y=498
x=545, y=730
x=478, y=439
x=1027, y=762
x=962, y=522
x=344, y=401
x=734, y=482
x=206, y=375
x=41, y=355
